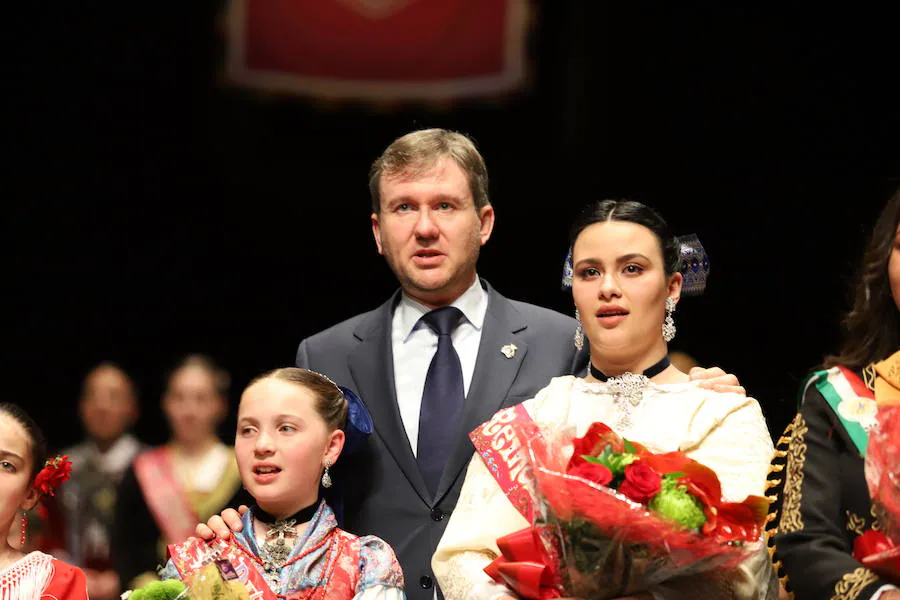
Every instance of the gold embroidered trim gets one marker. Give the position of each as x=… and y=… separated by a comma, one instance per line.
x=876, y=519
x=793, y=482
x=869, y=376
x=855, y=523
x=783, y=584
x=851, y=584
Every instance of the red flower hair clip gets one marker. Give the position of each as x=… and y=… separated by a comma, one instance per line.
x=54, y=473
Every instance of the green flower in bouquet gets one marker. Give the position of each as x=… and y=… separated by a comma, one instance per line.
x=673, y=502
x=157, y=590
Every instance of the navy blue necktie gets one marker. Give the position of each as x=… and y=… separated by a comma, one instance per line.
x=442, y=399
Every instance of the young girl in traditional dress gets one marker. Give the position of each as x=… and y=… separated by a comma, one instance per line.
x=290, y=432
x=24, y=478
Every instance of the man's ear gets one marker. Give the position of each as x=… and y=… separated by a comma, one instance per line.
x=376, y=232
x=486, y=216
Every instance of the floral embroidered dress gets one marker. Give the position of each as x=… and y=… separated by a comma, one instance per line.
x=325, y=562
x=39, y=576
x=726, y=432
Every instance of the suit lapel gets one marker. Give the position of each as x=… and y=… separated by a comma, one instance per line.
x=372, y=367
x=494, y=375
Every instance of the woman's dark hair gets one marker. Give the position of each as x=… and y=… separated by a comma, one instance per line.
x=330, y=402
x=871, y=326
x=633, y=212
x=36, y=437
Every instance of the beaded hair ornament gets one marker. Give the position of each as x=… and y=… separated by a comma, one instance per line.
x=693, y=264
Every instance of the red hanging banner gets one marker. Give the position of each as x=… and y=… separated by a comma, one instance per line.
x=385, y=50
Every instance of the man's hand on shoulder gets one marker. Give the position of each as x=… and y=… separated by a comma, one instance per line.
x=221, y=526
x=717, y=380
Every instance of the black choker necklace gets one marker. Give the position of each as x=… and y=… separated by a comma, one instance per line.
x=299, y=517
x=651, y=372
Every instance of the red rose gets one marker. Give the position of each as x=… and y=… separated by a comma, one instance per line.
x=590, y=471
x=641, y=482
x=53, y=474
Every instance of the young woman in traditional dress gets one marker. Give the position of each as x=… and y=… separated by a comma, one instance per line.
x=825, y=503
x=626, y=283
x=24, y=478
x=168, y=488
x=290, y=432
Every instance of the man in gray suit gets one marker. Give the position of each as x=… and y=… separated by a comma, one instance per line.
x=430, y=216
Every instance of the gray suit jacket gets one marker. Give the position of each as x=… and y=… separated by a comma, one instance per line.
x=384, y=493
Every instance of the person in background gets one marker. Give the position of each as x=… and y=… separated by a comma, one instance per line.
x=108, y=409
x=170, y=487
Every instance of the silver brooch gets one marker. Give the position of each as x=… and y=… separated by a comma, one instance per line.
x=275, y=546
x=627, y=390
x=508, y=350
x=629, y=386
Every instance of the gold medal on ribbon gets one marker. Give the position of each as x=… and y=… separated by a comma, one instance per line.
x=858, y=410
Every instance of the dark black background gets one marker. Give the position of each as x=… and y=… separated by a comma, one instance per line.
x=152, y=209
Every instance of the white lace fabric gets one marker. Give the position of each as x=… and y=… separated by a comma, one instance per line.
x=27, y=578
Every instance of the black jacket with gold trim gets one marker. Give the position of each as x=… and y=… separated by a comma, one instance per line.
x=825, y=505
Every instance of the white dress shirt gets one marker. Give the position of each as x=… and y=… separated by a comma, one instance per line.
x=414, y=345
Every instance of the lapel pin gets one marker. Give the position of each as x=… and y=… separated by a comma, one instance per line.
x=509, y=350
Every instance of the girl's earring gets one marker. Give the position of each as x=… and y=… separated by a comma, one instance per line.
x=326, y=478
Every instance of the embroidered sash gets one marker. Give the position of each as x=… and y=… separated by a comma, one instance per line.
x=191, y=555
x=852, y=402
x=164, y=494
x=502, y=443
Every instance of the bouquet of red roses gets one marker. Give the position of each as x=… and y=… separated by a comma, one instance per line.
x=880, y=550
x=616, y=519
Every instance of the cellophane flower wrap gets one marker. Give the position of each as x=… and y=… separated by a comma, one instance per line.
x=216, y=580
x=880, y=549
x=616, y=519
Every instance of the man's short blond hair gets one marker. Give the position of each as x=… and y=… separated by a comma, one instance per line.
x=417, y=152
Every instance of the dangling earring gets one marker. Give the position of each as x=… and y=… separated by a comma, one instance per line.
x=668, y=328
x=579, y=332
x=24, y=538
x=326, y=478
